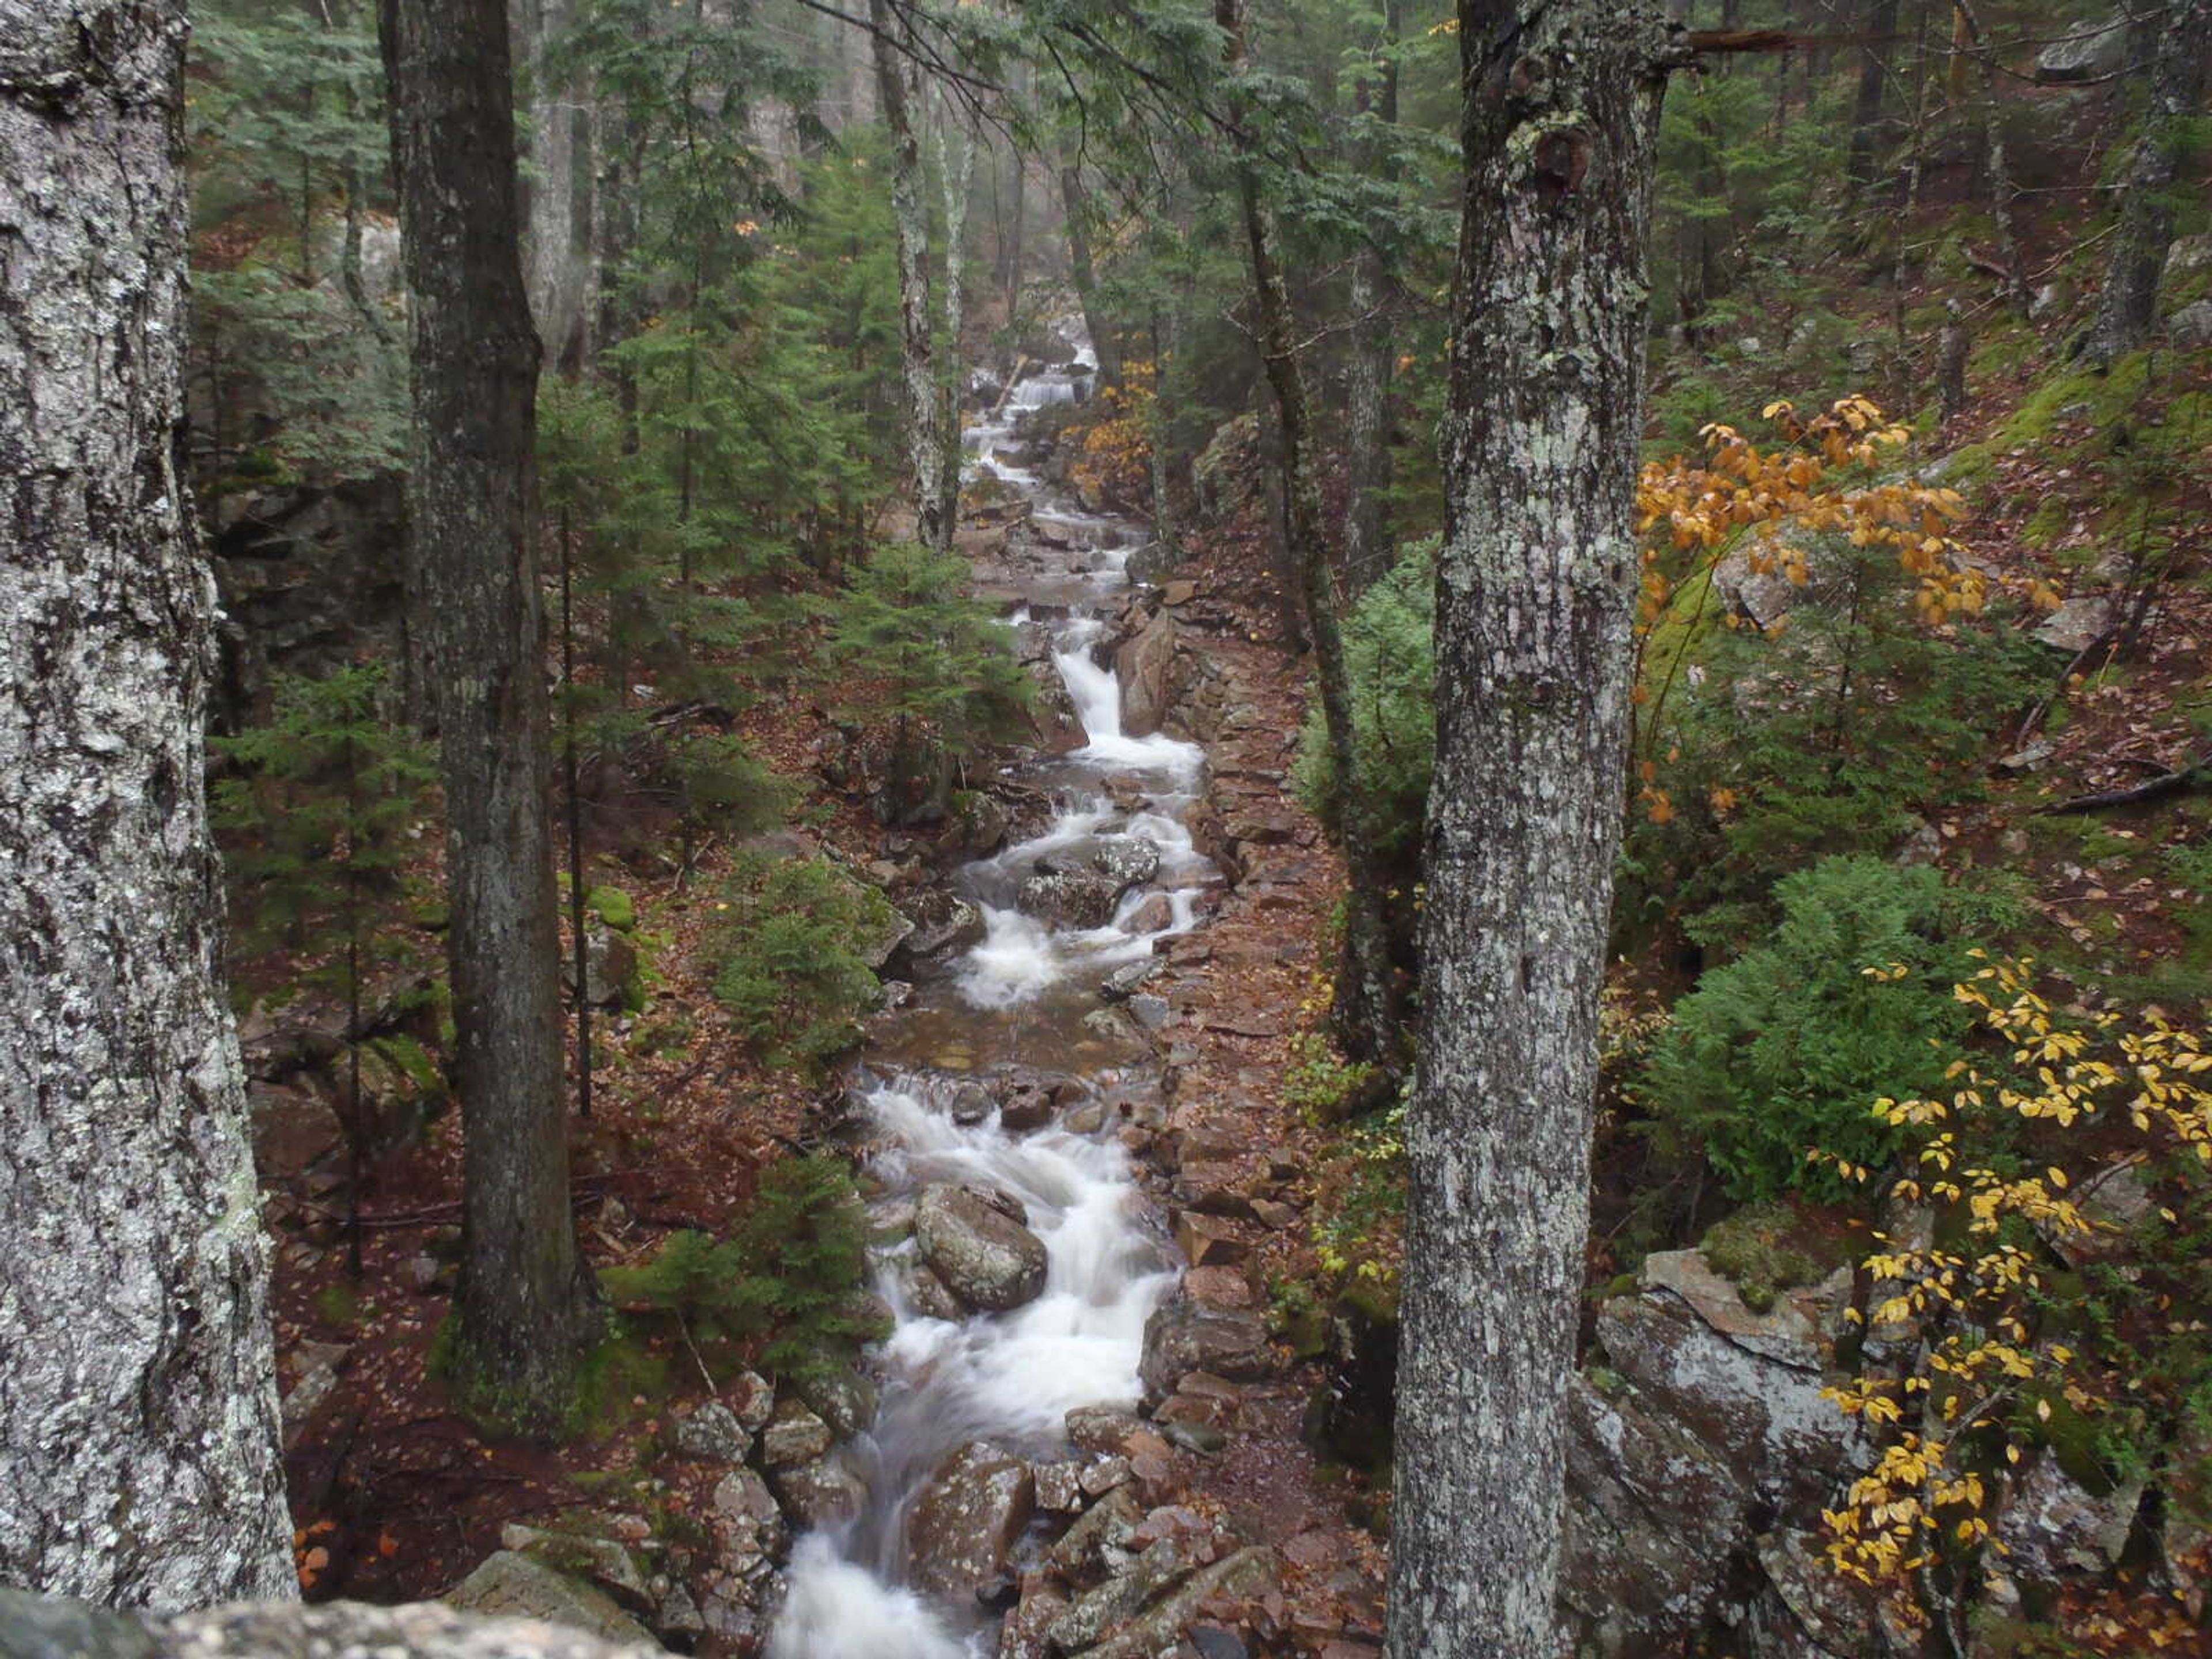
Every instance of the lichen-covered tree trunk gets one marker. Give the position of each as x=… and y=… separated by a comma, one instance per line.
x=138, y=1440
x=910, y=214
x=1535, y=597
x=1366, y=1015
x=524, y=1305
x=2129, y=305
x=956, y=168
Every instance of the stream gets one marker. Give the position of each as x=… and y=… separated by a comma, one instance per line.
x=1026, y=994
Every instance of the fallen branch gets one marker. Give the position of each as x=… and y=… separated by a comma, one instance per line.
x=2193, y=776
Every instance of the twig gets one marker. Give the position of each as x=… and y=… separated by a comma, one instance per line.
x=2168, y=783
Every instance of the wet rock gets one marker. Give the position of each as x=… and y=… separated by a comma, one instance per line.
x=1156, y=913
x=970, y=1105
x=1150, y=1012
x=928, y=1296
x=1185, y=1336
x=1219, y=1287
x=1059, y=1486
x=1129, y=978
x=1146, y=665
x=1249, y=1573
x=944, y=924
x=1101, y=1429
x=986, y=1257
x=963, y=1527
x=794, y=1435
x=747, y=1525
x=739, y=1611
x=1193, y=1437
x=821, y=1493
x=1100, y=1537
x=844, y=1400
x=1132, y=861
x=713, y=1434
x=1066, y=898
x=1121, y=1598
x=752, y=1400
x=1208, y=1241
x=511, y=1585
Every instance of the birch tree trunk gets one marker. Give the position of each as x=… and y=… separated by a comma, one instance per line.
x=138, y=1438
x=556, y=257
x=1534, y=596
x=917, y=352
x=524, y=1306
x=2129, y=305
x=1368, y=1005
x=959, y=183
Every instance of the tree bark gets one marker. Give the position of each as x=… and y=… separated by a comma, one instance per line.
x=1535, y=592
x=1368, y=545
x=556, y=260
x=138, y=1437
x=1367, y=1005
x=917, y=353
x=959, y=183
x=525, y=1304
x=2129, y=305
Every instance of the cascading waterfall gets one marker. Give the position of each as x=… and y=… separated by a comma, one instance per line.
x=1012, y=1377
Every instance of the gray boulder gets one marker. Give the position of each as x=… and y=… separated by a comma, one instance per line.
x=1129, y=861
x=512, y=1585
x=1063, y=897
x=962, y=1528
x=1184, y=1335
x=2088, y=51
x=979, y=1247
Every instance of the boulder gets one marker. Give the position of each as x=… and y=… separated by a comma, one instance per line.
x=747, y=1526
x=2191, y=325
x=2054, y=1529
x=1129, y=978
x=2089, y=51
x=985, y=1256
x=511, y=1585
x=963, y=1527
x=713, y=1434
x=2075, y=625
x=821, y=1493
x=926, y=1293
x=1121, y=1598
x=752, y=1400
x=794, y=1435
x=609, y=967
x=606, y=1562
x=944, y=924
x=1185, y=1336
x=1246, y=1575
x=1061, y=896
x=843, y=1399
x=1131, y=859
x=1146, y=665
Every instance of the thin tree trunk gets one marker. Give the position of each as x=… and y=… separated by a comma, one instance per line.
x=1367, y=1006
x=917, y=354
x=2003, y=194
x=1105, y=344
x=1367, y=542
x=2129, y=305
x=959, y=181
x=574, y=793
x=1873, y=78
x=1535, y=593
x=525, y=1304
x=551, y=268
x=138, y=1426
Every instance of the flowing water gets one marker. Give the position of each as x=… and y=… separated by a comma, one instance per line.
x=1017, y=997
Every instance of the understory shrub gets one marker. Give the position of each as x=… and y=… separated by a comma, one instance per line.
x=1782, y=1052
x=785, y=955
x=789, y=1277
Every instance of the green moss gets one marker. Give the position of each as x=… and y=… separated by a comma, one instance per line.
x=413, y=1059
x=613, y=907
x=338, y=1304
x=2049, y=523
x=1760, y=1251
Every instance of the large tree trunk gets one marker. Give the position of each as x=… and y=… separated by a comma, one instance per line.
x=917, y=353
x=524, y=1305
x=1535, y=595
x=1368, y=544
x=1367, y=1001
x=2129, y=304
x=138, y=1439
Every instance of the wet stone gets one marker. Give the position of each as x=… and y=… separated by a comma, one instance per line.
x=794, y=1435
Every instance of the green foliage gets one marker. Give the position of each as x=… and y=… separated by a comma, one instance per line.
x=1318, y=1081
x=1390, y=651
x=783, y=951
x=1833, y=735
x=321, y=814
x=785, y=1284
x=1783, y=1051
x=296, y=361
x=915, y=652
